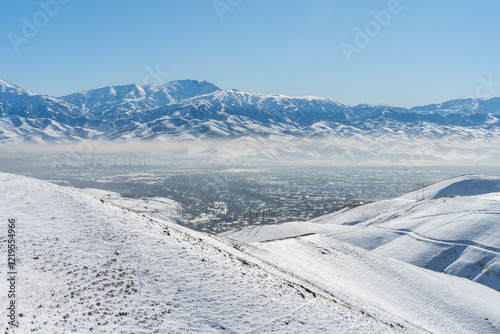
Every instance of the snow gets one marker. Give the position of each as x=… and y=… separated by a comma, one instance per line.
x=111, y=102
x=86, y=265
x=433, y=301
x=457, y=234
x=118, y=113
x=158, y=207
x=467, y=185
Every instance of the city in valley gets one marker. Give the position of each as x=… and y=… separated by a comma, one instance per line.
x=212, y=197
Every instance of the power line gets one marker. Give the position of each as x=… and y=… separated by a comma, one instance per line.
x=420, y=186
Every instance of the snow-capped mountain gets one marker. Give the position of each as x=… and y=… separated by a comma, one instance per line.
x=20, y=103
x=464, y=107
x=85, y=265
x=190, y=109
x=133, y=100
x=28, y=117
x=451, y=227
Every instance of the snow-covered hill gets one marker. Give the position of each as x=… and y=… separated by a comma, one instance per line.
x=158, y=207
x=88, y=266
x=361, y=277
x=451, y=227
x=190, y=109
x=84, y=265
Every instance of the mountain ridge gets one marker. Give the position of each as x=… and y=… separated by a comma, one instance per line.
x=198, y=109
x=445, y=105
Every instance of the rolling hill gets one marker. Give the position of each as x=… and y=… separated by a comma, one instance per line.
x=86, y=265
x=451, y=226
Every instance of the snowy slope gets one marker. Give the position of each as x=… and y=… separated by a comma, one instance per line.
x=158, y=207
x=88, y=266
x=467, y=185
x=458, y=234
x=433, y=301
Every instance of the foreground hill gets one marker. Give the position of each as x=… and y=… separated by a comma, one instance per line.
x=89, y=266
x=85, y=265
x=451, y=227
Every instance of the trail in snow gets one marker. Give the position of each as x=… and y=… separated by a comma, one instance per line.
x=420, y=237
x=458, y=234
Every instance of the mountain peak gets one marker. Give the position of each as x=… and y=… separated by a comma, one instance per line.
x=195, y=87
x=133, y=99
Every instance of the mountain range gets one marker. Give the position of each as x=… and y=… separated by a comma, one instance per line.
x=190, y=109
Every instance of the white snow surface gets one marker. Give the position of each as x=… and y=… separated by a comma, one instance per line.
x=89, y=266
x=466, y=185
x=86, y=265
x=451, y=226
x=433, y=301
x=158, y=207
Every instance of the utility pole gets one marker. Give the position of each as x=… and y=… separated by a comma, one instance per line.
x=420, y=186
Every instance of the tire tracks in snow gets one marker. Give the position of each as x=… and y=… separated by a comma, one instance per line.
x=420, y=237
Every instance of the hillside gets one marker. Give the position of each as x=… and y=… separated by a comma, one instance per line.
x=451, y=227
x=89, y=266
x=86, y=265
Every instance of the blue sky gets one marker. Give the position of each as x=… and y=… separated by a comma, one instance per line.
x=424, y=52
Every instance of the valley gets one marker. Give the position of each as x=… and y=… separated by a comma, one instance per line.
x=214, y=197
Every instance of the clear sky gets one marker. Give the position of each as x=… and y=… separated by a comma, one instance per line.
x=424, y=52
